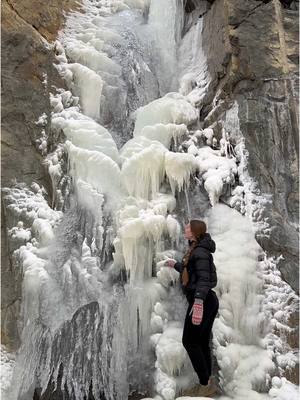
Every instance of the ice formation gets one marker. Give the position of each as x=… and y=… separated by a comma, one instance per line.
x=143, y=168
x=163, y=133
x=179, y=168
x=7, y=362
x=173, y=108
x=94, y=273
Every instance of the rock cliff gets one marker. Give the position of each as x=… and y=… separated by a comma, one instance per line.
x=251, y=49
x=28, y=77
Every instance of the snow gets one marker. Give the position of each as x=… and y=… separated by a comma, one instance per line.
x=165, y=276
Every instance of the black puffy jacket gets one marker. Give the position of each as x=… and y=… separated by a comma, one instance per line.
x=201, y=269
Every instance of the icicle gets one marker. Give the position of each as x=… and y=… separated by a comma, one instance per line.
x=187, y=203
x=179, y=167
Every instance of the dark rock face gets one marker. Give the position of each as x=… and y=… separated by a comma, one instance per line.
x=253, y=63
x=28, y=76
x=252, y=54
x=268, y=122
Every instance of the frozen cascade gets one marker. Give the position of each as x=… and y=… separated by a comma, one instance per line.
x=101, y=315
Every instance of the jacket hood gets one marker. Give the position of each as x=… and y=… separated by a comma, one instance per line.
x=207, y=243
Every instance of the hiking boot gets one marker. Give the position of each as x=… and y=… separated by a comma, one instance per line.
x=208, y=390
x=201, y=391
x=191, y=392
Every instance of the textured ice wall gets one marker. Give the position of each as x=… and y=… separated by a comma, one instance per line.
x=115, y=325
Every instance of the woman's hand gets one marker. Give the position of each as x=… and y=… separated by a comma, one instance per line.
x=170, y=263
x=197, y=311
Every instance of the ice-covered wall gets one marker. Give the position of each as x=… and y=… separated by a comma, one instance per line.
x=145, y=137
x=27, y=67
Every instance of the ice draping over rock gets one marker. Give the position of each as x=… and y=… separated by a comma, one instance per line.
x=96, y=169
x=143, y=168
x=245, y=356
x=179, y=167
x=163, y=133
x=34, y=213
x=7, y=362
x=169, y=350
x=127, y=199
x=88, y=86
x=173, y=108
x=84, y=132
x=216, y=171
x=166, y=35
x=141, y=232
x=145, y=157
x=194, y=72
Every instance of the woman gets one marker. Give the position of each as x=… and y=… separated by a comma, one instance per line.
x=198, y=277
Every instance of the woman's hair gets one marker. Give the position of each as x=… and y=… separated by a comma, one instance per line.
x=198, y=228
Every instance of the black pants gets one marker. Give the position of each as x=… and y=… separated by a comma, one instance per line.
x=196, y=338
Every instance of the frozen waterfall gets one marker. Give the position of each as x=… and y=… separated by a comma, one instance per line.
x=102, y=316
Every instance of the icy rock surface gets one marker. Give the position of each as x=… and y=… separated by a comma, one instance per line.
x=101, y=313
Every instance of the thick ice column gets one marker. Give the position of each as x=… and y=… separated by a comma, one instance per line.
x=166, y=22
x=88, y=86
x=244, y=362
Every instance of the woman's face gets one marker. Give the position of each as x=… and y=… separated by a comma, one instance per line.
x=188, y=233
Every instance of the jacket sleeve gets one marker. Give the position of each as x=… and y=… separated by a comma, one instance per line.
x=202, y=271
x=179, y=266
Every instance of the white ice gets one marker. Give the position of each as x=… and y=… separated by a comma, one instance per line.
x=137, y=188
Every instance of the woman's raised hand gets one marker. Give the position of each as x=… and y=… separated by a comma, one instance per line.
x=170, y=263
